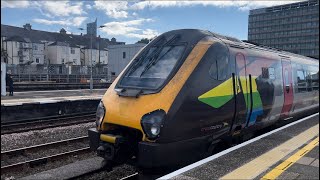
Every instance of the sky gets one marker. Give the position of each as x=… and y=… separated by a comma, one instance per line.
x=130, y=21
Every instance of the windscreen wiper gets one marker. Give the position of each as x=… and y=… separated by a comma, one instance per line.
x=155, y=58
x=138, y=63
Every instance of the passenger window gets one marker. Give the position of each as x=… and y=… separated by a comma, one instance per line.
x=315, y=80
x=309, y=81
x=302, y=84
x=219, y=67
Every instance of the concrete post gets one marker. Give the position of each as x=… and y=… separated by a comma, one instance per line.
x=3, y=79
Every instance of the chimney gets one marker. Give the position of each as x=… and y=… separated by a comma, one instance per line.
x=63, y=31
x=81, y=34
x=27, y=26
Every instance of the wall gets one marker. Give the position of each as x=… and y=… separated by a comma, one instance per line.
x=52, y=54
x=75, y=56
x=38, y=52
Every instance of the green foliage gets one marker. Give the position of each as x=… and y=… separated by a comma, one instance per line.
x=144, y=40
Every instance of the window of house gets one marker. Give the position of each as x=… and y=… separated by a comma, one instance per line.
x=35, y=47
x=73, y=51
x=123, y=55
x=74, y=61
x=37, y=60
x=62, y=61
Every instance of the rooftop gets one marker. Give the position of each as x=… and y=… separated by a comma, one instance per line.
x=38, y=36
x=285, y=7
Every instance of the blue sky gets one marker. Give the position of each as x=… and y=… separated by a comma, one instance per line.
x=129, y=21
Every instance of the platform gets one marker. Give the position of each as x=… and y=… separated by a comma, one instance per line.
x=39, y=104
x=289, y=152
x=54, y=96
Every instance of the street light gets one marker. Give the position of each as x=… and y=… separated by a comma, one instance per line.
x=91, y=64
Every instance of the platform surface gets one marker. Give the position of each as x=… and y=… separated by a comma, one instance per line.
x=54, y=96
x=289, y=152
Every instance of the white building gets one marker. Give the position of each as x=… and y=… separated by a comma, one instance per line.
x=28, y=46
x=97, y=57
x=22, y=51
x=63, y=53
x=120, y=56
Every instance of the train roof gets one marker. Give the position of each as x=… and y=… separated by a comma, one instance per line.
x=234, y=42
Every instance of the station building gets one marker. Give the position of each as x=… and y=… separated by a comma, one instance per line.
x=291, y=27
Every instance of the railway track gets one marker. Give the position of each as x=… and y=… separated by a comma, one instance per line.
x=7, y=156
x=47, y=122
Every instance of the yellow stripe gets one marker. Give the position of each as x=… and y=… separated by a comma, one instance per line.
x=260, y=164
x=277, y=171
x=224, y=89
x=108, y=138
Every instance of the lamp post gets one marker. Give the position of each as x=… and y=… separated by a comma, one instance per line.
x=91, y=62
x=91, y=79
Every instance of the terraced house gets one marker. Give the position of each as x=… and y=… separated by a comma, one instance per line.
x=24, y=45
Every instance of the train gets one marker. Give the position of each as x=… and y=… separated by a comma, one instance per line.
x=188, y=90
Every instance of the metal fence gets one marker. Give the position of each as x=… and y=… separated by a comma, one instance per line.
x=59, y=73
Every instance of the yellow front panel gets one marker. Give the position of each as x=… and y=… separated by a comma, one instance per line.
x=127, y=111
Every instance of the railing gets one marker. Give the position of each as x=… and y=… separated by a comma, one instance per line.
x=61, y=78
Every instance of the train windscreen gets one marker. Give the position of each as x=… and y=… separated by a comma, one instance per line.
x=153, y=67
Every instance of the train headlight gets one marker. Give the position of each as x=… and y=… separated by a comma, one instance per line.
x=152, y=123
x=100, y=114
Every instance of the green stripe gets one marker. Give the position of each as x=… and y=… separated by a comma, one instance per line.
x=216, y=102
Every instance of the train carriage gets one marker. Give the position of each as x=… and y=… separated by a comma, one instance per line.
x=189, y=89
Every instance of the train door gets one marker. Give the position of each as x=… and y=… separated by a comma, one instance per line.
x=287, y=87
x=241, y=93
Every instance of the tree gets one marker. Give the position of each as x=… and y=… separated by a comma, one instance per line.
x=144, y=40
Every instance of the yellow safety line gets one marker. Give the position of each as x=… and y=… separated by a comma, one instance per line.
x=260, y=165
x=277, y=171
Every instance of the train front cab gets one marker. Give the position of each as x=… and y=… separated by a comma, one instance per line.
x=137, y=122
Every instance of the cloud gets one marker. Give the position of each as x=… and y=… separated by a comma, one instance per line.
x=60, y=8
x=129, y=29
x=113, y=9
x=242, y=5
x=77, y=21
x=14, y=4
x=88, y=6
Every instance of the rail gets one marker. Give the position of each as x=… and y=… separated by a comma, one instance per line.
x=46, y=122
x=39, y=148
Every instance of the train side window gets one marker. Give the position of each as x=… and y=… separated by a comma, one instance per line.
x=223, y=67
x=219, y=67
x=315, y=80
x=309, y=81
x=213, y=71
x=301, y=80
